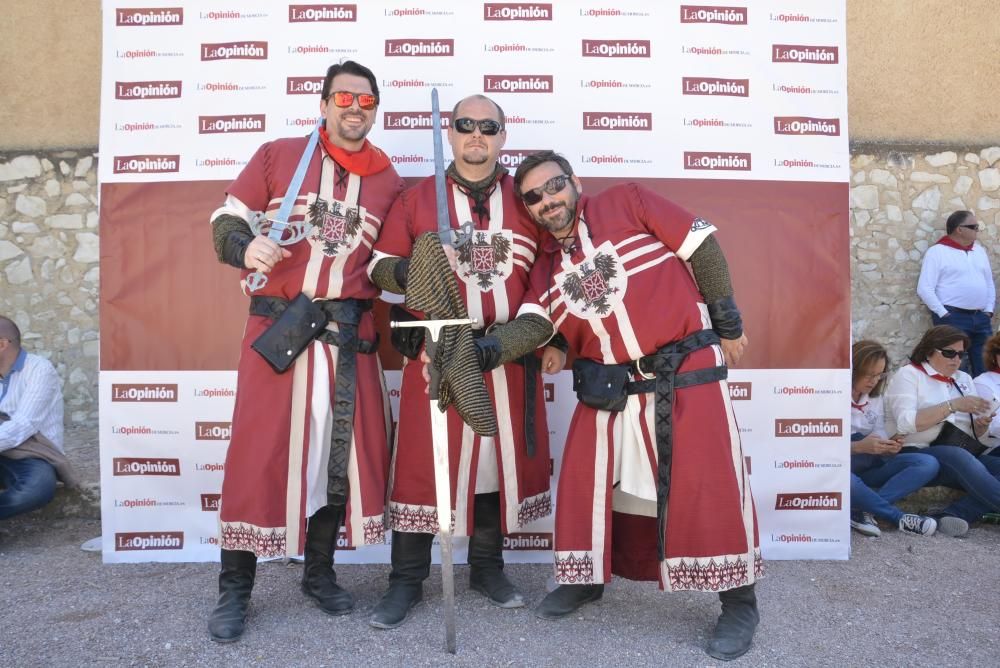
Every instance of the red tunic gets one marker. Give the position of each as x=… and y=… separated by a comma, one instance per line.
x=493, y=277
x=625, y=292
x=276, y=465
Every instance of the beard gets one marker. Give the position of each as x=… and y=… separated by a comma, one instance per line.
x=557, y=217
x=352, y=132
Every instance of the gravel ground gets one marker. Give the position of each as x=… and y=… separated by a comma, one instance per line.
x=900, y=601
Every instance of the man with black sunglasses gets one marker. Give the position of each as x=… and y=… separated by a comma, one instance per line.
x=500, y=482
x=956, y=284
x=310, y=441
x=653, y=484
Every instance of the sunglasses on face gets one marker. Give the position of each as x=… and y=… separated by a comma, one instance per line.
x=487, y=126
x=970, y=227
x=949, y=354
x=554, y=185
x=345, y=99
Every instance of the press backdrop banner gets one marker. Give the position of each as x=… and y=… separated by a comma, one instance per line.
x=737, y=112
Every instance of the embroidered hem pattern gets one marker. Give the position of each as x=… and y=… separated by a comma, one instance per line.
x=718, y=573
x=415, y=519
x=533, y=508
x=262, y=541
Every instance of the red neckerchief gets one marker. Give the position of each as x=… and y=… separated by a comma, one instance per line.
x=858, y=406
x=951, y=243
x=935, y=376
x=367, y=160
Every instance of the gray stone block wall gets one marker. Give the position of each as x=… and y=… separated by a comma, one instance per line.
x=49, y=256
x=899, y=203
x=49, y=248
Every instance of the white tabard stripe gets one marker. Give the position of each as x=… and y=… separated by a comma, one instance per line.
x=526, y=247
x=652, y=247
x=627, y=333
x=296, y=441
x=320, y=427
x=506, y=443
x=601, y=499
x=692, y=241
x=651, y=263
x=462, y=484
x=473, y=298
x=335, y=285
x=634, y=237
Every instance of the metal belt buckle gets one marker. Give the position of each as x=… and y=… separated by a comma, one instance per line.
x=638, y=369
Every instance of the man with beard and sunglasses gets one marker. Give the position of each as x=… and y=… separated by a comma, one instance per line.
x=311, y=441
x=653, y=484
x=499, y=483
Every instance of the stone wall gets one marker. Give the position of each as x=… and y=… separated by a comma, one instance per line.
x=49, y=248
x=899, y=203
x=49, y=265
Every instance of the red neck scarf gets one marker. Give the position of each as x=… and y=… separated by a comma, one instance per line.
x=366, y=161
x=935, y=376
x=951, y=243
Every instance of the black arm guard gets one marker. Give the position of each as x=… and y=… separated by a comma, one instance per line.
x=231, y=235
x=559, y=342
x=489, y=353
x=234, y=248
x=726, y=319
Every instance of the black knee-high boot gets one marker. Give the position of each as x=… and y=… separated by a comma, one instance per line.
x=737, y=623
x=319, y=581
x=411, y=564
x=486, y=555
x=236, y=577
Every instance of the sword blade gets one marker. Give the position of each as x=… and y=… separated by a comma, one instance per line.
x=443, y=220
x=442, y=484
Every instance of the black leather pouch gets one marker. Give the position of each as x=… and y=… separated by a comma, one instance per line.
x=407, y=340
x=600, y=386
x=952, y=435
x=289, y=335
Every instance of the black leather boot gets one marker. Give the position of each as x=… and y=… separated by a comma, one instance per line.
x=319, y=581
x=734, y=630
x=228, y=620
x=565, y=599
x=486, y=555
x=411, y=564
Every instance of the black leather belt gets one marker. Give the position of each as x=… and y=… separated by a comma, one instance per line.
x=664, y=365
x=967, y=311
x=347, y=314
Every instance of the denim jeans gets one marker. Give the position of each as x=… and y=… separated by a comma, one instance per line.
x=979, y=476
x=28, y=484
x=895, y=476
x=977, y=326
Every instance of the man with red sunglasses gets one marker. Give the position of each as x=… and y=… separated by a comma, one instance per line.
x=653, y=483
x=501, y=482
x=311, y=441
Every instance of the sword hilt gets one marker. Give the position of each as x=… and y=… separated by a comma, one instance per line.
x=434, y=327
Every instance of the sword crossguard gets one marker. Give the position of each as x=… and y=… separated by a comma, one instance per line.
x=433, y=327
x=457, y=238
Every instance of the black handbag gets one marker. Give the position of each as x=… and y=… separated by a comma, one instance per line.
x=601, y=386
x=952, y=435
x=286, y=338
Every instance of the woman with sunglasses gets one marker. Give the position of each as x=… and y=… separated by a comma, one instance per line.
x=925, y=394
x=875, y=458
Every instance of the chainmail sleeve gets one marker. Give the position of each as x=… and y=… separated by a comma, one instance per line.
x=711, y=272
x=223, y=227
x=514, y=339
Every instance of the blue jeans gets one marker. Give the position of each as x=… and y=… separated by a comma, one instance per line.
x=977, y=327
x=895, y=476
x=28, y=484
x=979, y=476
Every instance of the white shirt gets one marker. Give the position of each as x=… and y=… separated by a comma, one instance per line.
x=31, y=394
x=988, y=387
x=868, y=417
x=912, y=390
x=956, y=278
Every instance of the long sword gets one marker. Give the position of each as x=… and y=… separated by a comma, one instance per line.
x=439, y=420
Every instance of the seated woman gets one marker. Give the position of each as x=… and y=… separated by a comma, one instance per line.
x=874, y=458
x=925, y=394
x=988, y=387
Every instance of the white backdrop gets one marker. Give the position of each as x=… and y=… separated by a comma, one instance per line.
x=627, y=89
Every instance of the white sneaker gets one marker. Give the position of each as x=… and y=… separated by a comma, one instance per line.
x=952, y=526
x=866, y=525
x=917, y=524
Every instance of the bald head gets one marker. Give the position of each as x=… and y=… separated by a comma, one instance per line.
x=9, y=331
x=500, y=115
